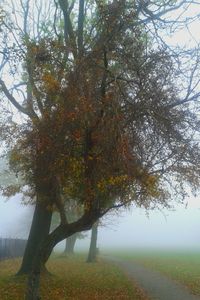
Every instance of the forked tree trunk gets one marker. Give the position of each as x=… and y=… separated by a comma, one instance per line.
x=70, y=243
x=42, y=255
x=93, y=244
x=39, y=230
x=44, y=250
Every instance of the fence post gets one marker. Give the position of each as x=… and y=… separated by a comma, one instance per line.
x=11, y=248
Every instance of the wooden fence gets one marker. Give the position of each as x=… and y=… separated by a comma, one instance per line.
x=10, y=248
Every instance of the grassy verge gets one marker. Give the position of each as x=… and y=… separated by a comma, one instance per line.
x=184, y=267
x=73, y=279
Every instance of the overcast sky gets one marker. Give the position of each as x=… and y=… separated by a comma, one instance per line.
x=167, y=229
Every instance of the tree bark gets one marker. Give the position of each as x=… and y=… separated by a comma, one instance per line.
x=70, y=243
x=93, y=244
x=39, y=230
x=44, y=250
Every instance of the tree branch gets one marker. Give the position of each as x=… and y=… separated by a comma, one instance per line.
x=29, y=112
x=157, y=15
x=68, y=28
x=33, y=87
x=80, y=26
x=185, y=100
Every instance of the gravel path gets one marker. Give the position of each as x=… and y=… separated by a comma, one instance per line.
x=156, y=285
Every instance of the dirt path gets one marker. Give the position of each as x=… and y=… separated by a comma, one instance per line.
x=156, y=285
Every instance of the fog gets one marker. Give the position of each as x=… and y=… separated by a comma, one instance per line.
x=15, y=218
x=178, y=228
x=160, y=229
x=165, y=229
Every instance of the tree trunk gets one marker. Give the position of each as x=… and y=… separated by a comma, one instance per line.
x=39, y=230
x=33, y=284
x=70, y=243
x=93, y=244
x=44, y=250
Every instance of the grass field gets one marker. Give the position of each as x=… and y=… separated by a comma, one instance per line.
x=72, y=279
x=182, y=266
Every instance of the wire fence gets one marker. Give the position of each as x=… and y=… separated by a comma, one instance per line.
x=11, y=248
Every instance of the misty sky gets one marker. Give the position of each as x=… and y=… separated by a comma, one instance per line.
x=167, y=229
x=178, y=228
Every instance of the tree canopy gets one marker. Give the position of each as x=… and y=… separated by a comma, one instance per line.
x=105, y=120
x=105, y=113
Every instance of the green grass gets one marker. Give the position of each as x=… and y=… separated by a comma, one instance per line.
x=181, y=266
x=73, y=279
